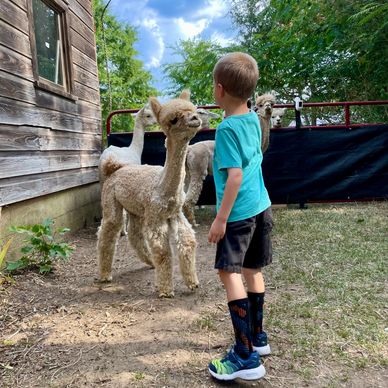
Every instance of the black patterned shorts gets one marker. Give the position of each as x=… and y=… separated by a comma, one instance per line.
x=246, y=244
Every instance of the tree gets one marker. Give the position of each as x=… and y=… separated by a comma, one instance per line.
x=130, y=83
x=195, y=70
x=318, y=48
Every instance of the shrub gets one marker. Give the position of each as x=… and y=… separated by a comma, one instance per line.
x=42, y=248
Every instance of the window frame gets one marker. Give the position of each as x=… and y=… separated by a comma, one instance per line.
x=62, y=9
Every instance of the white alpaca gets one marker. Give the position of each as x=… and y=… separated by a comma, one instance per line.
x=205, y=115
x=144, y=118
x=132, y=154
x=277, y=116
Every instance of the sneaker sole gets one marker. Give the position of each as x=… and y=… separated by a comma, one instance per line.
x=245, y=374
x=262, y=350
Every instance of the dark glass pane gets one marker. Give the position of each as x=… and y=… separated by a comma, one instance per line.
x=48, y=43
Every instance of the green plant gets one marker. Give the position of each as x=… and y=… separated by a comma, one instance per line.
x=139, y=376
x=42, y=248
x=3, y=252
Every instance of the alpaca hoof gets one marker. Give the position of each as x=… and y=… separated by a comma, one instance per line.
x=105, y=279
x=166, y=294
x=193, y=284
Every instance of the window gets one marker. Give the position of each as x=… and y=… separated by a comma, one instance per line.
x=50, y=46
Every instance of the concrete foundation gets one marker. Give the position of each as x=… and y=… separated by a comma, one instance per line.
x=74, y=208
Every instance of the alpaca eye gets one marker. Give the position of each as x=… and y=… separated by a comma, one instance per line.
x=174, y=121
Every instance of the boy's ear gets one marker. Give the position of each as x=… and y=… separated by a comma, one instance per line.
x=155, y=106
x=185, y=95
x=220, y=89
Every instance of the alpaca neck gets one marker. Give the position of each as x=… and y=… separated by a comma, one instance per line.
x=172, y=179
x=265, y=133
x=137, y=142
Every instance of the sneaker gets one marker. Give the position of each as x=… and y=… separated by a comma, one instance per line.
x=260, y=344
x=232, y=366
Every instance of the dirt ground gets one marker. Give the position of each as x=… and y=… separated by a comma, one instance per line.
x=66, y=330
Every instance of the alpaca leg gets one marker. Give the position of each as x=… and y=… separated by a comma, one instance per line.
x=188, y=210
x=186, y=248
x=137, y=239
x=162, y=256
x=124, y=228
x=108, y=235
x=193, y=193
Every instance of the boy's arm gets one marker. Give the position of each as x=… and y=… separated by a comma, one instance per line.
x=232, y=186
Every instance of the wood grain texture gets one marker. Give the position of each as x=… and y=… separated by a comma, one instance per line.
x=32, y=186
x=50, y=140
x=14, y=16
x=24, y=138
x=15, y=63
x=20, y=3
x=20, y=113
x=27, y=163
x=14, y=39
x=83, y=45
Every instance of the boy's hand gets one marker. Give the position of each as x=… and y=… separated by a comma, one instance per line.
x=217, y=231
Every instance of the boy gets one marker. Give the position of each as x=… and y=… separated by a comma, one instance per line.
x=243, y=222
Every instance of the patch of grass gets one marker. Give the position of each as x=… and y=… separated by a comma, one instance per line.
x=138, y=376
x=206, y=321
x=329, y=275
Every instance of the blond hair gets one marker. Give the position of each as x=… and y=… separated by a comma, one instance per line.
x=238, y=73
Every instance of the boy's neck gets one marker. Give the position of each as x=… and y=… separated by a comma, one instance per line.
x=235, y=107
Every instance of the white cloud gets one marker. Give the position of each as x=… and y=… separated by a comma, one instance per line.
x=221, y=39
x=158, y=46
x=150, y=24
x=213, y=9
x=191, y=29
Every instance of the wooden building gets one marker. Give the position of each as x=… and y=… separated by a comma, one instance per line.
x=50, y=116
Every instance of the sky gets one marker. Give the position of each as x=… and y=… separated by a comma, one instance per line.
x=160, y=24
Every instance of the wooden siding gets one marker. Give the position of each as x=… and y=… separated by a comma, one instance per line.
x=48, y=142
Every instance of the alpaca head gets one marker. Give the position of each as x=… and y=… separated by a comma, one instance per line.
x=145, y=117
x=178, y=117
x=277, y=115
x=264, y=105
x=205, y=115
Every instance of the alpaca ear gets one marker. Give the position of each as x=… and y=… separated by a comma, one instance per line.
x=185, y=95
x=155, y=106
x=138, y=113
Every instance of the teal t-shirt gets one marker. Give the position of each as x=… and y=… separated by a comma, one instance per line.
x=238, y=145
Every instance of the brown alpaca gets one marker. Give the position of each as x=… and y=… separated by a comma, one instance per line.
x=153, y=196
x=264, y=106
x=199, y=162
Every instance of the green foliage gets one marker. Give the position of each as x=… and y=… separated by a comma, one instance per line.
x=195, y=69
x=3, y=253
x=130, y=83
x=323, y=49
x=42, y=248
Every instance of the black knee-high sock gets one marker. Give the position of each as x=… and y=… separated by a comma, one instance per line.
x=239, y=312
x=256, y=307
